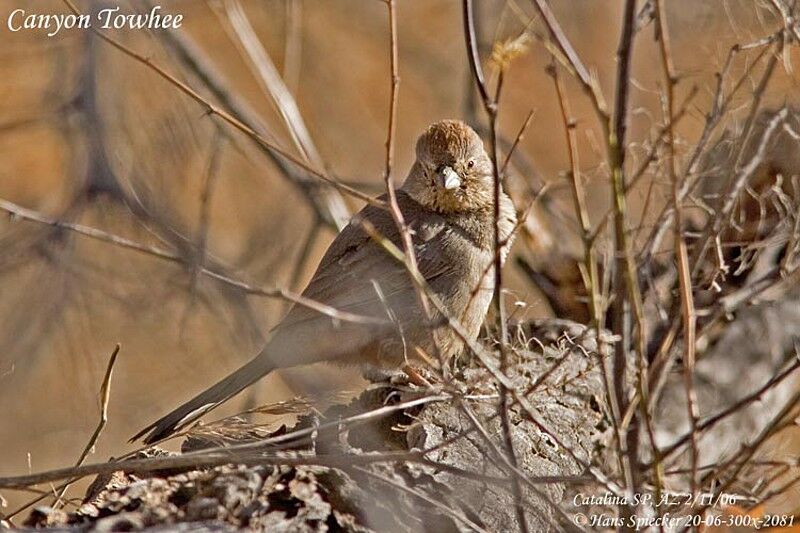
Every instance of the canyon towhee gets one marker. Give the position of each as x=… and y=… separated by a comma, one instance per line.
x=447, y=201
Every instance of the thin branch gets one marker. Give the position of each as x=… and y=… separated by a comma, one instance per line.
x=105, y=390
x=490, y=105
x=640, y=172
x=224, y=115
x=690, y=177
x=628, y=297
x=742, y=457
x=734, y=408
x=249, y=453
x=578, y=198
x=591, y=276
x=681, y=255
x=737, y=183
x=244, y=36
x=472, y=54
x=574, y=61
x=327, y=203
x=789, y=21
x=105, y=395
x=520, y=135
x=391, y=128
x=199, y=259
x=173, y=257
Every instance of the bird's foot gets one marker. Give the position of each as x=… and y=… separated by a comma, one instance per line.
x=408, y=376
x=420, y=377
x=384, y=376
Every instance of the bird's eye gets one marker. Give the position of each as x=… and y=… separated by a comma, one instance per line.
x=471, y=163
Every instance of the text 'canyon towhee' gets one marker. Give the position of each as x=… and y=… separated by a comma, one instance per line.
x=447, y=201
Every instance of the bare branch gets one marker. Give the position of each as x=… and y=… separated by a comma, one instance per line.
x=225, y=116
x=160, y=253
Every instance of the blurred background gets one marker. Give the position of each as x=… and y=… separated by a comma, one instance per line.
x=90, y=136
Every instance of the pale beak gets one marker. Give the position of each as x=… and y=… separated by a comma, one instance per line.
x=448, y=179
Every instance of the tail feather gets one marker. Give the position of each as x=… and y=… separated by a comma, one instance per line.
x=205, y=401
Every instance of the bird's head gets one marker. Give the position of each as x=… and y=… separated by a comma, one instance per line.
x=453, y=172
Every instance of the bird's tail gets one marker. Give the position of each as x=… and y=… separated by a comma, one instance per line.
x=206, y=401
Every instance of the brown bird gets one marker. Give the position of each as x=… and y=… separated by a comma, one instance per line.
x=447, y=201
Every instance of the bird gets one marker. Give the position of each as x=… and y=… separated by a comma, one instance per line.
x=447, y=203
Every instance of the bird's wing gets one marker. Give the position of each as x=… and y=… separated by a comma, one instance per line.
x=354, y=263
x=358, y=276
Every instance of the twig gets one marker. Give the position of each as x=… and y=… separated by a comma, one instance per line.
x=626, y=278
x=490, y=105
x=575, y=65
x=742, y=457
x=105, y=391
x=640, y=171
x=225, y=116
x=246, y=453
x=737, y=183
x=199, y=259
x=520, y=135
x=207, y=459
x=244, y=36
x=155, y=251
x=789, y=21
x=516, y=473
x=754, y=396
x=690, y=176
x=394, y=208
x=473, y=56
x=681, y=255
x=105, y=395
x=327, y=203
x=591, y=276
x=591, y=283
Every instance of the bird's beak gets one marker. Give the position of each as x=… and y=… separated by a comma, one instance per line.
x=448, y=179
